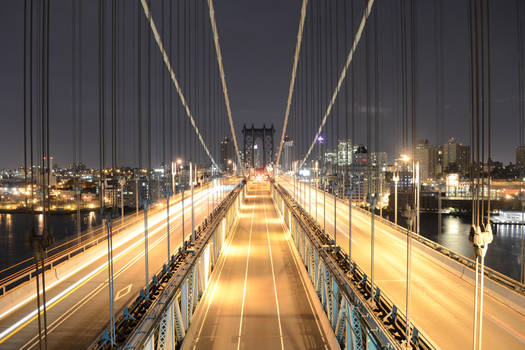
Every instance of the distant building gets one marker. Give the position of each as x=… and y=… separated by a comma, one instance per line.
x=423, y=156
x=227, y=154
x=378, y=160
x=344, y=153
x=435, y=169
x=456, y=157
x=520, y=157
x=360, y=155
x=288, y=154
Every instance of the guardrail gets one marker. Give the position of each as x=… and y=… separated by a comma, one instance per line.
x=374, y=318
x=86, y=241
x=492, y=274
x=161, y=318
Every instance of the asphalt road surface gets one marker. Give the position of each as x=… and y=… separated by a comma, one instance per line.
x=257, y=299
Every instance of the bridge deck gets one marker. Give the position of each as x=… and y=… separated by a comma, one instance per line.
x=442, y=303
x=78, y=304
x=257, y=299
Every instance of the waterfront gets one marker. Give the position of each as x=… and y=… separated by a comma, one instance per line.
x=15, y=229
x=504, y=254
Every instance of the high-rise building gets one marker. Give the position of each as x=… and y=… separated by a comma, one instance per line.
x=227, y=154
x=456, y=157
x=422, y=155
x=360, y=155
x=436, y=162
x=520, y=157
x=344, y=153
x=378, y=160
x=288, y=151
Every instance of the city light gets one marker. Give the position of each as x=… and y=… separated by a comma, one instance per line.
x=304, y=172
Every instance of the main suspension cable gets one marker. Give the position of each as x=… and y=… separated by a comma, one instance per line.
x=174, y=78
x=223, y=80
x=349, y=59
x=292, y=80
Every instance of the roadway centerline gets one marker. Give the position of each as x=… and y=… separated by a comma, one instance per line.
x=273, y=275
x=246, y=276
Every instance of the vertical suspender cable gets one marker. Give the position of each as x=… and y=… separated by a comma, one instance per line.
x=165, y=57
x=342, y=76
x=223, y=80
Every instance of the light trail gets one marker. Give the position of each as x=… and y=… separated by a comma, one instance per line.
x=6, y=334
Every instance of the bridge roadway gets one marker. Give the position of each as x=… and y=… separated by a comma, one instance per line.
x=77, y=309
x=442, y=304
x=257, y=299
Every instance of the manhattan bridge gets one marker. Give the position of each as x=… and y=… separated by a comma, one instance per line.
x=184, y=238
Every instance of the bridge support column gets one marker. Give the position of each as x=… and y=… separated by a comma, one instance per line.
x=166, y=339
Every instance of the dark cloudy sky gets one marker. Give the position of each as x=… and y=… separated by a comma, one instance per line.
x=258, y=41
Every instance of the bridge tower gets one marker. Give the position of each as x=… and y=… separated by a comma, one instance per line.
x=251, y=135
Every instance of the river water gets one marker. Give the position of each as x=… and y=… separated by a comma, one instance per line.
x=16, y=228
x=504, y=254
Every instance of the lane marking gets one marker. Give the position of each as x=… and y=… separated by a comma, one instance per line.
x=273, y=274
x=72, y=290
x=22, y=323
x=124, y=291
x=506, y=327
x=245, y=278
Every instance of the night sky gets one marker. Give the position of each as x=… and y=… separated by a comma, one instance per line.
x=258, y=41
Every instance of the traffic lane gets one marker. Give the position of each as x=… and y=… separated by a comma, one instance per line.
x=219, y=326
x=300, y=324
x=261, y=315
x=84, y=292
x=444, y=316
x=120, y=242
x=261, y=319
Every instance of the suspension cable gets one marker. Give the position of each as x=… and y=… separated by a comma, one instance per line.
x=223, y=80
x=349, y=59
x=166, y=59
x=292, y=80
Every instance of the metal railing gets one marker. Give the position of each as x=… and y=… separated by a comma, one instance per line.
x=65, y=251
x=492, y=274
